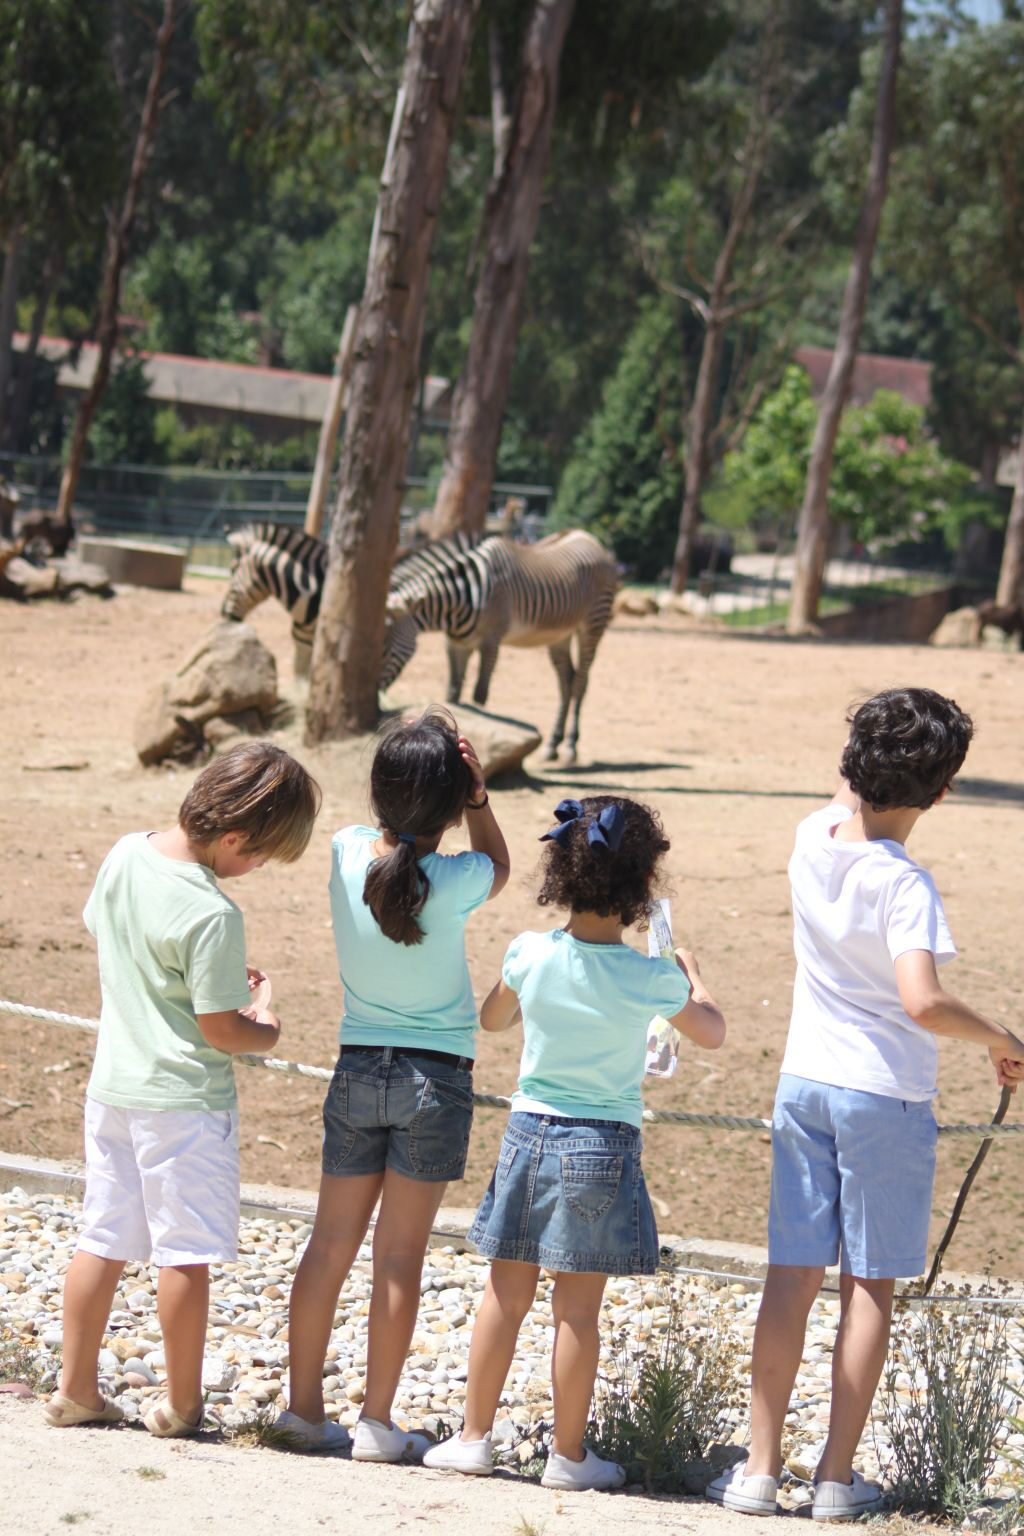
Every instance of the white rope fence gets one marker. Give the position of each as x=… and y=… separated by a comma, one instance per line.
x=496, y=1100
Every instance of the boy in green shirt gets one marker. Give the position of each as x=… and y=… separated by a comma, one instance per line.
x=161, y=1127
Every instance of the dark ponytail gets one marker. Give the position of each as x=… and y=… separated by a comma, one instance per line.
x=419, y=785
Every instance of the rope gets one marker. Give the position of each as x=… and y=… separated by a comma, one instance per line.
x=498, y=1101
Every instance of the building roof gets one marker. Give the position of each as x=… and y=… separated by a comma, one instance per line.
x=280, y=393
x=871, y=372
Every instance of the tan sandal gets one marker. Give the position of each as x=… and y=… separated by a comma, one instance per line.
x=165, y=1421
x=63, y=1412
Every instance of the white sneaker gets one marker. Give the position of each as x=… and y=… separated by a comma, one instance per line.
x=591, y=1472
x=374, y=1441
x=307, y=1436
x=472, y=1456
x=749, y=1495
x=845, y=1501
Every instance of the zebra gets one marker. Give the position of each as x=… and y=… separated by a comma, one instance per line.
x=481, y=592
x=278, y=560
x=488, y=592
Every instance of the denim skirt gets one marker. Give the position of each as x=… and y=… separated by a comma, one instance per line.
x=569, y=1195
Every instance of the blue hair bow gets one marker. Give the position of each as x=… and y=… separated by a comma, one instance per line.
x=605, y=831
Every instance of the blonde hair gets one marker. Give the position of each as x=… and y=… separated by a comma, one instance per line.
x=257, y=789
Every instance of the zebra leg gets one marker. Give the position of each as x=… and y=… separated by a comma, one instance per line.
x=561, y=660
x=586, y=645
x=488, y=657
x=458, y=661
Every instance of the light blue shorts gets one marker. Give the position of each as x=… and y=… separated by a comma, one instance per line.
x=852, y=1176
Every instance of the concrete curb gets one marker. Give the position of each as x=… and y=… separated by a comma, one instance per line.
x=739, y=1261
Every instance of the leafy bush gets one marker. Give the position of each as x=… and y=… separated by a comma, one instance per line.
x=664, y=1399
x=625, y=479
x=946, y=1406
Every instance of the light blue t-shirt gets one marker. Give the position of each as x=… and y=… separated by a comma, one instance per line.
x=586, y=1008
x=407, y=995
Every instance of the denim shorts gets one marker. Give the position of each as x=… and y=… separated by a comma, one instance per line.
x=852, y=1176
x=569, y=1195
x=392, y=1108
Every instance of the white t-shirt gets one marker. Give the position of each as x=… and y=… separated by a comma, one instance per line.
x=856, y=907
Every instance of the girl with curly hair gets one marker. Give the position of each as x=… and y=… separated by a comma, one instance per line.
x=568, y=1192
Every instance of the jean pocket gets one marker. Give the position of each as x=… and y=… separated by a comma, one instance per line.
x=590, y=1183
x=439, y=1130
x=503, y=1167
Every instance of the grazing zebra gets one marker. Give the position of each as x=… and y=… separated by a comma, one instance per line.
x=491, y=592
x=482, y=593
x=277, y=560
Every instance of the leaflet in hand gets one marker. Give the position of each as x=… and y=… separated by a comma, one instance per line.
x=662, y=1039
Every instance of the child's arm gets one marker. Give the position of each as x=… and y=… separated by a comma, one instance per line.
x=485, y=836
x=500, y=1008
x=701, y=1021
x=928, y=1004
x=232, y=1032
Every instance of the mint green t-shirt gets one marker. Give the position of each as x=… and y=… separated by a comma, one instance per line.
x=586, y=1008
x=407, y=995
x=171, y=945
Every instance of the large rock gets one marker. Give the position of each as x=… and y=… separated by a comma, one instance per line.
x=635, y=604
x=501, y=744
x=961, y=627
x=230, y=673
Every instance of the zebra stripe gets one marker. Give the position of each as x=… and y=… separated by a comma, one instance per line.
x=277, y=560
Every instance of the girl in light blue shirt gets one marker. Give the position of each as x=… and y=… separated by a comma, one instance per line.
x=398, y=1111
x=568, y=1192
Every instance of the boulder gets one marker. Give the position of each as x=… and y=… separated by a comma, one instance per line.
x=995, y=638
x=502, y=744
x=636, y=604
x=230, y=674
x=961, y=627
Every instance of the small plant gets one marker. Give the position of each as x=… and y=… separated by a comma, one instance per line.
x=150, y=1474
x=18, y=1360
x=75, y=1516
x=260, y=1428
x=663, y=1401
x=946, y=1406
x=525, y=1527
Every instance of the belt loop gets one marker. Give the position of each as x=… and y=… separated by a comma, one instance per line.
x=388, y=1052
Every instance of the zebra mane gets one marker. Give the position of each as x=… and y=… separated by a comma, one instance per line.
x=282, y=535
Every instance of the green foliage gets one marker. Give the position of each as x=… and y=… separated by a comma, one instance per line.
x=946, y=1406
x=229, y=445
x=123, y=429
x=889, y=477
x=624, y=481
x=664, y=1398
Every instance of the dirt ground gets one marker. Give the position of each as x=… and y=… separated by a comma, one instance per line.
x=732, y=738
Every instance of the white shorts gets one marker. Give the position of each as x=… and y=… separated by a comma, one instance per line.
x=161, y=1183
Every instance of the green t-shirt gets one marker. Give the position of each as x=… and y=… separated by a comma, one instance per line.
x=171, y=945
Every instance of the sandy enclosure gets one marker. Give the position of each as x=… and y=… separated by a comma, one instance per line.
x=733, y=739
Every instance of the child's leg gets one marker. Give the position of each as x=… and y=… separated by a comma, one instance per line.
x=509, y=1295
x=861, y=1347
x=342, y=1216
x=407, y=1211
x=576, y=1304
x=183, y=1305
x=789, y=1292
x=88, y=1296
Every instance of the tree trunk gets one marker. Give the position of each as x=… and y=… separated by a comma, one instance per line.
x=510, y=220
x=813, y=528
x=8, y=315
x=697, y=449
x=330, y=424
x=1010, y=590
x=363, y=536
x=119, y=233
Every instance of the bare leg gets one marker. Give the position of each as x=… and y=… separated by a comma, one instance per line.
x=789, y=1291
x=509, y=1295
x=88, y=1296
x=576, y=1304
x=407, y=1211
x=861, y=1347
x=183, y=1302
x=342, y=1216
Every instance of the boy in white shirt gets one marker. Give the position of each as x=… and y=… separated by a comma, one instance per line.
x=853, y=1134
x=161, y=1128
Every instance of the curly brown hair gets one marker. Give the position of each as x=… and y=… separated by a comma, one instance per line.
x=585, y=877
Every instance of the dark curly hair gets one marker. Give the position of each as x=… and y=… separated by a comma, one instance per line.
x=584, y=878
x=419, y=785
x=906, y=746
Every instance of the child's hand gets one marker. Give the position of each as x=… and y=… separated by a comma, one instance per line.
x=259, y=991
x=472, y=762
x=1009, y=1071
